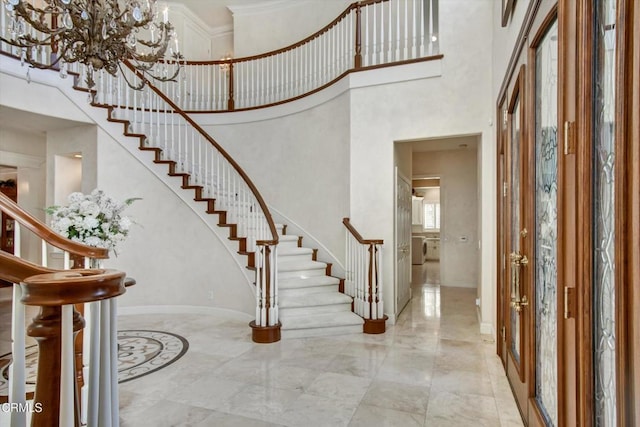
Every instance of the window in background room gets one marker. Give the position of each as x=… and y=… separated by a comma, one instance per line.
x=431, y=215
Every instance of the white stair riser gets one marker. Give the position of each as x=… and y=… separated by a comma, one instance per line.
x=320, y=332
x=309, y=290
x=296, y=257
x=311, y=310
x=301, y=273
x=287, y=244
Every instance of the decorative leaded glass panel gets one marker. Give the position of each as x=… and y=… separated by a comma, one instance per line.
x=604, y=293
x=515, y=225
x=546, y=220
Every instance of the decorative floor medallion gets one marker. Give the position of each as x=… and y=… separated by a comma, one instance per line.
x=140, y=353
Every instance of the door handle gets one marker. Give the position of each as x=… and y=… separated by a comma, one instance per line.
x=519, y=305
x=517, y=302
x=518, y=259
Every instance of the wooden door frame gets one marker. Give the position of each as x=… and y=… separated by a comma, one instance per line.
x=627, y=208
x=633, y=107
x=540, y=27
x=501, y=268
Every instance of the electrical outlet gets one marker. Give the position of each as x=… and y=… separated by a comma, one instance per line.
x=211, y=295
x=478, y=302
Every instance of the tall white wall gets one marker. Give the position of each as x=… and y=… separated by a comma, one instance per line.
x=458, y=212
x=174, y=256
x=300, y=164
x=265, y=27
x=458, y=103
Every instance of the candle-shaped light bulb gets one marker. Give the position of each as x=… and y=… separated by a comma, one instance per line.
x=176, y=39
x=165, y=15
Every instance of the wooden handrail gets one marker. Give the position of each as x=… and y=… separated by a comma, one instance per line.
x=357, y=235
x=45, y=233
x=236, y=166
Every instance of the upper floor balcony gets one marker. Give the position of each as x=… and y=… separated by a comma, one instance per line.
x=368, y=34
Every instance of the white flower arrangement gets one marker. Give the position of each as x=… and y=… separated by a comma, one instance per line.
x=93, y=219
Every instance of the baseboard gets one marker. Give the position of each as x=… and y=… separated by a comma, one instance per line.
x=486, y=328
x=182, y=309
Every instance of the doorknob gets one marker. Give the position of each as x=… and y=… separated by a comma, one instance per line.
x=518, y=305
x=518, y=259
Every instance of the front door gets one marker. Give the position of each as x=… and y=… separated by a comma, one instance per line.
x=529, y=223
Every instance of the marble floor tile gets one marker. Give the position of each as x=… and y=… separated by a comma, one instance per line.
x=462, y=409
x=431, y=368
x=368, y=416
x=317, y=411
x=397, y=396
x=348, y=388
x=167, y=414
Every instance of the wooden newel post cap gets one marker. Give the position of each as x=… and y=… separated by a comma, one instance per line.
x=72, y=287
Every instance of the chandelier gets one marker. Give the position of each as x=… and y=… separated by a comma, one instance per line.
x=101, y=34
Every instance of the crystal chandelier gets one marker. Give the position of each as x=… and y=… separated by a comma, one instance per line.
x=100, y=34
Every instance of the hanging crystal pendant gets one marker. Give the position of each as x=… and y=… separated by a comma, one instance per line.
x=137, y=14
x=84, y=15
x=28, y=75
x=63, y=69
x=67, y=21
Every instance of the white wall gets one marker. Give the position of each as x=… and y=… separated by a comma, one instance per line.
x=300, y=165
x=26, y=151
x=458, y=103
x=262, y=28
x=62, y=181
x=174, y=256
x=197, y=41
x=458, y=212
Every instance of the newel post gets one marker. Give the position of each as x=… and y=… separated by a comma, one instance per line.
x=266, y=327
x=357, y=60
x=230, y=101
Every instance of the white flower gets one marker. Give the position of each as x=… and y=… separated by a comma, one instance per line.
x=90, y=222
x=125, y=223
x=75, y=197
x=93, y=219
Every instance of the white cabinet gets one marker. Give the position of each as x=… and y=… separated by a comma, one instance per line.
x=433, y=249
x=417, y=215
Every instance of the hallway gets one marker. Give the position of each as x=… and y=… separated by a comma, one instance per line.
x=432, y=368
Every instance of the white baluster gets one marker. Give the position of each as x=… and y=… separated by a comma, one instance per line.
x=67, y=373
x=92, y=362
x=17, y=369
x=104, y=399
x=43, y=254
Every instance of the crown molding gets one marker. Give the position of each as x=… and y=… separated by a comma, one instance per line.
x=265, y=7
x=187, y=13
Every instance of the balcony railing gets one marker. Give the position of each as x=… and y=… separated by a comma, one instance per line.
x=368, y=34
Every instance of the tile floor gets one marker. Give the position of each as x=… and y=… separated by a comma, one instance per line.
x=433, y=368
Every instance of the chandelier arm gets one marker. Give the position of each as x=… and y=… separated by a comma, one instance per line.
x=24, y=10
x=143, y=80
x=27, y=42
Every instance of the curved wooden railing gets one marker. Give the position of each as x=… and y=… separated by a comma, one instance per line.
x=47, y=235
x=65, y=371
x=178, y=141
x=367, y=34
x=363, y=278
